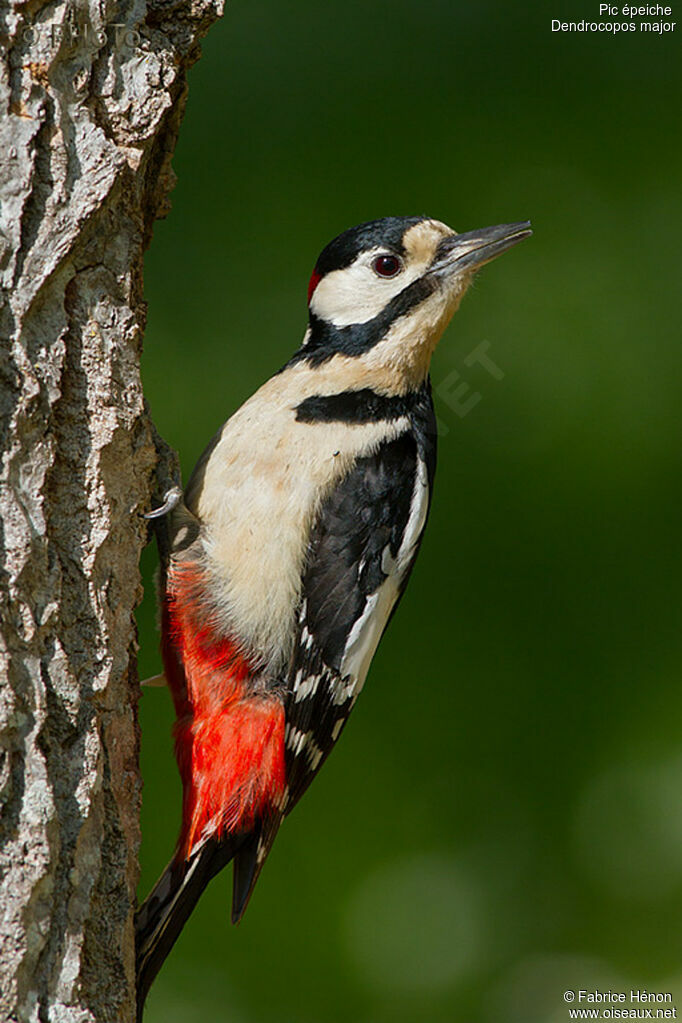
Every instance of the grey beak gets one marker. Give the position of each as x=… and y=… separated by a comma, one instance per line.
x=473, y=249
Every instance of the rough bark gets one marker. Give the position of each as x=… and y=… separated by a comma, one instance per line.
x=91, y=94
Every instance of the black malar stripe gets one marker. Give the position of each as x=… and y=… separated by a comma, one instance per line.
x=362, y=406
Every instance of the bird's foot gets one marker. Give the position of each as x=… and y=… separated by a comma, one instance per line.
x=171, y=500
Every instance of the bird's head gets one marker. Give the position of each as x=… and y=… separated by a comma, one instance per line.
x=385, y=291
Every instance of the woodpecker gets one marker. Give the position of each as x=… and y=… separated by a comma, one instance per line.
x=287, y=554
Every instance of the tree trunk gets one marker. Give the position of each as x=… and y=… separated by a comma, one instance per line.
x=92, y=94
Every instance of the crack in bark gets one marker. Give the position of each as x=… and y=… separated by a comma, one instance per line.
x=86, y=139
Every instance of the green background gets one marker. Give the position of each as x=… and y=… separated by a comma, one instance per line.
x=503, y=817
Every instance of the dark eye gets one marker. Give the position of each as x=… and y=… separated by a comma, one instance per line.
x=387, y=266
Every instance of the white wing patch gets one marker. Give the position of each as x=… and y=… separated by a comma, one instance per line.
x=323, y=694
x=367, y=631
x=417, y=520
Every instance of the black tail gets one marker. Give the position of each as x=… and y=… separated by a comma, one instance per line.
x=248, y=863
x=166, y=909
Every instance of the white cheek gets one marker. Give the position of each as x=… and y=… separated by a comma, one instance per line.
x=355, y=294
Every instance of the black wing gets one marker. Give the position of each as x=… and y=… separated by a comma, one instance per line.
x=362, y=549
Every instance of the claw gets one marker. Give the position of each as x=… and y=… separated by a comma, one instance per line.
x=154, y=681
x=171, y=500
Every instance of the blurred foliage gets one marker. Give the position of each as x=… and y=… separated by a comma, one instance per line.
x=503, y=817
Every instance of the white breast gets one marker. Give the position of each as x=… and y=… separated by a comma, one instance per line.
x=262, y=487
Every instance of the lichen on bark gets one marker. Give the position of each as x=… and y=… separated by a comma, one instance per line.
x=91, y=97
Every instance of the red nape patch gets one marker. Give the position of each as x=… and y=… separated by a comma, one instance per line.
x=229, y=742
x=315, y=279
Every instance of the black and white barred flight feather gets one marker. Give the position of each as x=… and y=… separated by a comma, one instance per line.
x=361, y=551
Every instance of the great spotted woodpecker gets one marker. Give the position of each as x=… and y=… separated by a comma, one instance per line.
x=293, y=544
